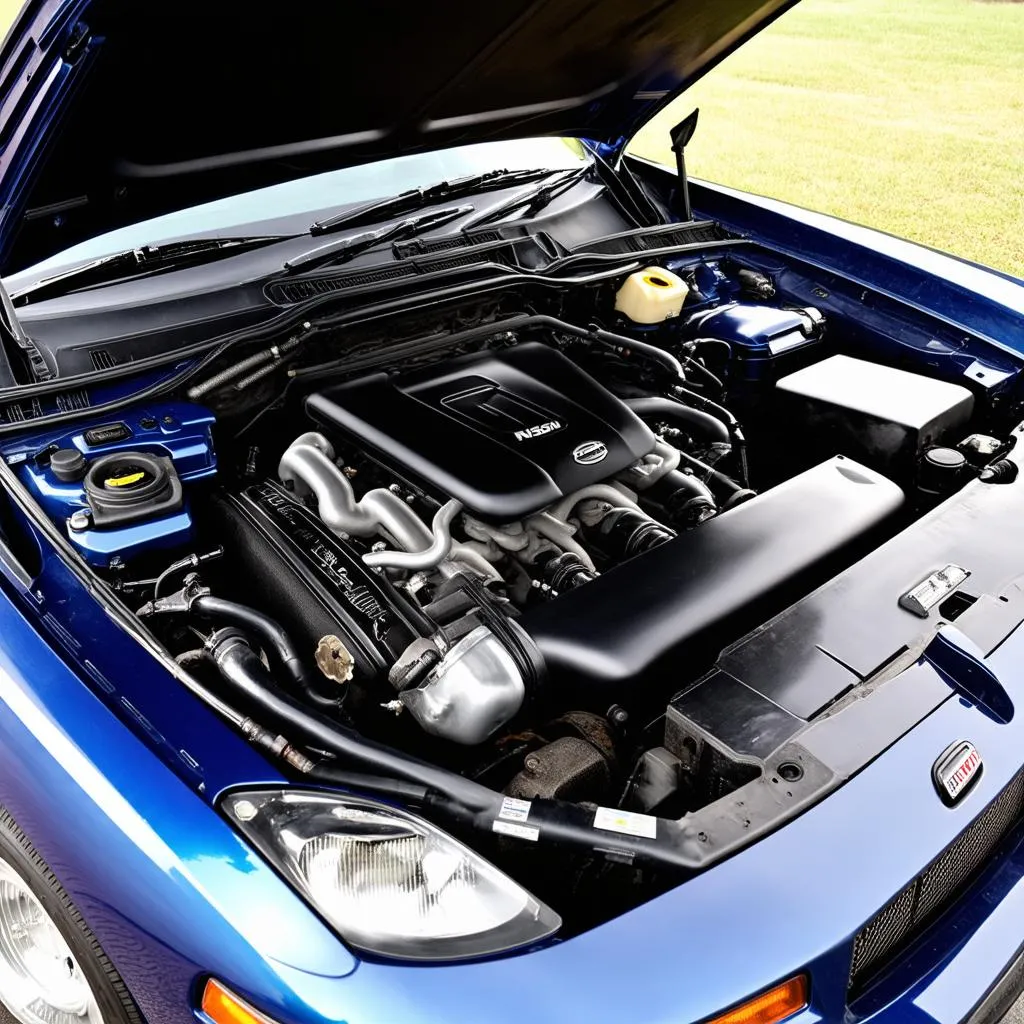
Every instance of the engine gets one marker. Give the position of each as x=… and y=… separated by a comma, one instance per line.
x=529, y=473
x=510, y=553
x=457, y=536
x=514, y=447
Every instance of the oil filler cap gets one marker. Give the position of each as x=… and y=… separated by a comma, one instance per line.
x=131, y=486
x=67, y=465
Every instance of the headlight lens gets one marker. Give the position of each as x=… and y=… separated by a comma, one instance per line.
x=391, y=883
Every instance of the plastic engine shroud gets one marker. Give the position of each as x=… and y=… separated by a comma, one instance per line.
x=506, y=433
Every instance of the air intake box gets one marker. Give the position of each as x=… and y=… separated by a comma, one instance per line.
x=644, y=613
x=884, y=416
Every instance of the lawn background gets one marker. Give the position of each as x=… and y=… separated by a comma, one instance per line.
x=906, y=115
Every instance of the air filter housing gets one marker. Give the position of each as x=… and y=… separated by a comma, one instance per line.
x=884, y=416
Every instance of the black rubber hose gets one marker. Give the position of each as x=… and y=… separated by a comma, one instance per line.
x=242, y=669
x=732, y=493
x=622, y=344
x=457, y=798
x=272, y=355
x=271, y=635
x=412, y=794
x=715, y=380
x=721, y=342
x=720, y=412
x=676, y=481
x=189, y=658
x=708, y=426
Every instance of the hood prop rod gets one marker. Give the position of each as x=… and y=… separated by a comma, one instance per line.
x=680, y=137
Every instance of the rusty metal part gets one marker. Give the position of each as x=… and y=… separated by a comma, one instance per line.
x=567, y=769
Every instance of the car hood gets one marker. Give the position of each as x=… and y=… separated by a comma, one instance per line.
x=144, y=108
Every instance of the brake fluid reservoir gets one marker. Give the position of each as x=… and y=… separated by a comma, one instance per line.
x=651, y=295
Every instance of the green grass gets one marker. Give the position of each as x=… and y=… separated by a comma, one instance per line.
x=8, y=9
x=906, y=115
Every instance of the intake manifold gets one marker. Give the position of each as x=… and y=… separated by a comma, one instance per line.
x=308, y=467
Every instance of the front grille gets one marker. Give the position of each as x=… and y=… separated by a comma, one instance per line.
x=908, y=913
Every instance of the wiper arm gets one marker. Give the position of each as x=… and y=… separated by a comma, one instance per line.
x=534, y=200
x=343, y=249
x=417, y=198
x=140, y=262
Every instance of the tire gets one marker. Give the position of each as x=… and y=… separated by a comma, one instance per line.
x=108, y=990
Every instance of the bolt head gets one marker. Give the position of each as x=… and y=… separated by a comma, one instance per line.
x=245, y=810
x=80, y=520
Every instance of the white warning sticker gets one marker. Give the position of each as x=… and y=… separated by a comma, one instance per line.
x=514, y=810
x=627, y=822
x=510, y=828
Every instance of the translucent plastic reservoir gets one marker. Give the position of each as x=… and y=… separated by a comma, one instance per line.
x=651, y=295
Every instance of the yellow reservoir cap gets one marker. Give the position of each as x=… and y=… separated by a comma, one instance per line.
x=651, y=295
x=126, y=480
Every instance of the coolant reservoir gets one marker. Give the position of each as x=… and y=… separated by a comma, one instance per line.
x=651, y=295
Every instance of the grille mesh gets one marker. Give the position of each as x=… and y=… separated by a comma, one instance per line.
x=419, y=246
x=470, y=259
x=70, y=401
x=102, y=359
x=309, y=288
x=656, y=238
x=906, y=915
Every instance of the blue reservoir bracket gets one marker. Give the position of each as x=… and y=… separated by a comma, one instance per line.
x=179, y=431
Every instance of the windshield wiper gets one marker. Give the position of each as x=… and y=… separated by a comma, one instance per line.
x=343, y=249
x=140, y=262
x=417, y=198
x=534, y=200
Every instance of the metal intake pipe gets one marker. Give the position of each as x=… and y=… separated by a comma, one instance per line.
x=308, y=465
x=438, y=550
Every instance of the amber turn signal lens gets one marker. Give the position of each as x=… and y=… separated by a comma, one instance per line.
x=769, y=1007
x=223, y=1007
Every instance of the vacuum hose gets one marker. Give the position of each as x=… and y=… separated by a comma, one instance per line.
x=272, y=637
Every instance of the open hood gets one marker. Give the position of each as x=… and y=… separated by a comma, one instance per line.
x=145, y=108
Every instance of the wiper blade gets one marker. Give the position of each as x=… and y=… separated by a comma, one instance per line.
x=343, y=249
x=534, y=200
x=140, y=262
x=417, y=198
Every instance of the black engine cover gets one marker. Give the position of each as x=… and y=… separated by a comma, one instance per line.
x=506, y=433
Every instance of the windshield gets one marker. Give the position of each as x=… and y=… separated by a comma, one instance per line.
x=290, y=207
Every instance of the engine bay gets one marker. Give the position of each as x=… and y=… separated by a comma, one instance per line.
x=541, y=552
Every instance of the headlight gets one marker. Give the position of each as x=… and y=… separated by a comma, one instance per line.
x=389, y=882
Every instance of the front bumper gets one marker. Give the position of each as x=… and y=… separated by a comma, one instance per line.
x=996, y=1004
x=175, y=896
x=791, y=903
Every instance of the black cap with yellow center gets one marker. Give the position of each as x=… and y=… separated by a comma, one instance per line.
x=129, y=486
